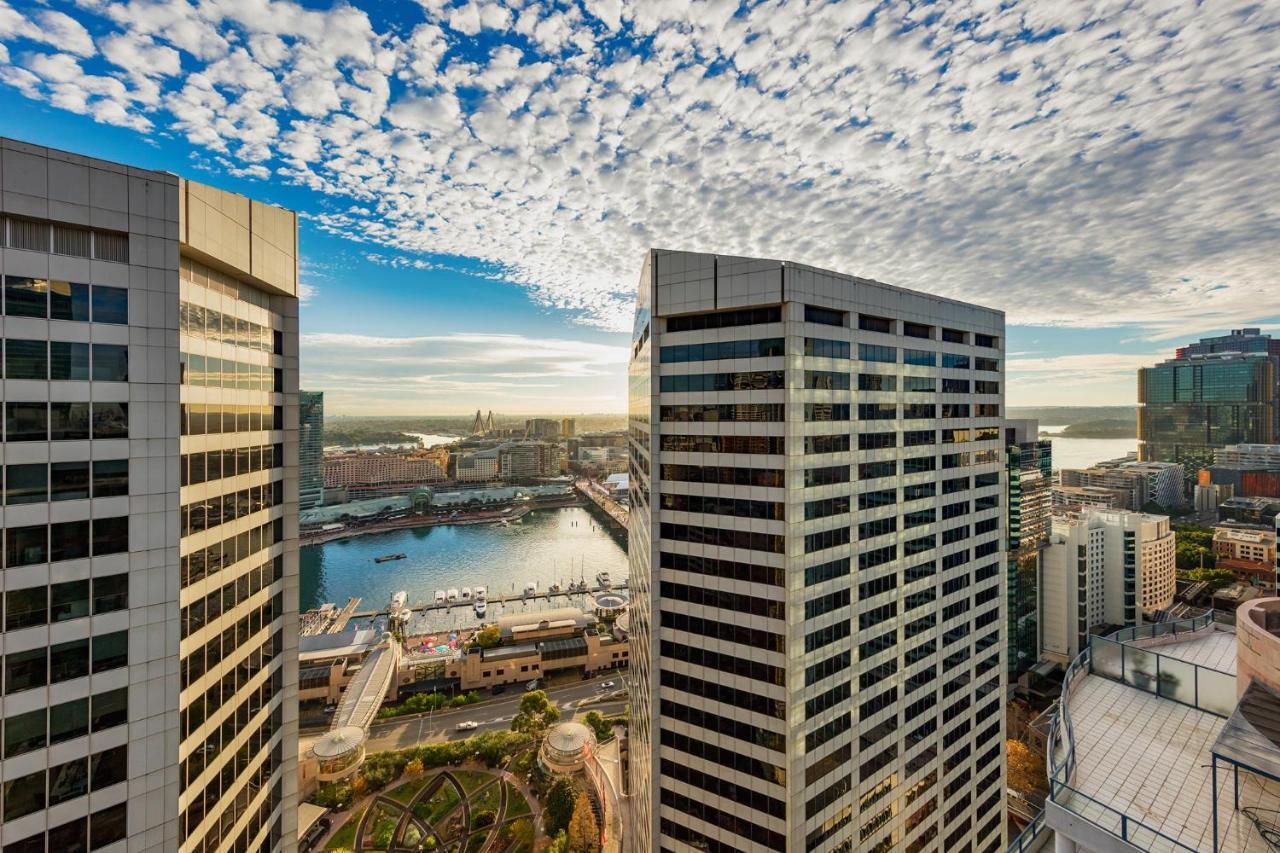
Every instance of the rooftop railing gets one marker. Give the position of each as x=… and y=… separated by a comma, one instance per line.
x=1171, y=678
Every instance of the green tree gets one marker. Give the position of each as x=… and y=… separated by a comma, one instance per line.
x=536, y=713
x=559, y=844
x=584, y=832
x=488, y=637
x=557, y=811
x=598, y=724
x=1216, y=578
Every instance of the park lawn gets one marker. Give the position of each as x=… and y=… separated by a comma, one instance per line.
x=517, y=805
x=346, y=836
x=521, y=832
x=487, y=799
x=440, y=804
x=471, y=779
x=406, y=792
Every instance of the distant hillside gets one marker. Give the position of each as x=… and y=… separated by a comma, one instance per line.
x=1101, y=428
x=1071, y=415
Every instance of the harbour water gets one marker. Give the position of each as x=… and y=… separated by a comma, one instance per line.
x=1083, y=452
x=548, y=546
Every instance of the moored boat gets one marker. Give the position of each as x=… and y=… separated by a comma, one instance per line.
x=386, y=558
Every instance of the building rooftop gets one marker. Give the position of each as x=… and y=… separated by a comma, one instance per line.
x=1147, y=710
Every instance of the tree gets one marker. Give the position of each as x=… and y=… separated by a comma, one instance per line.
x=536, y=713
x=599, y=725
x=488, y=637
x=1190, y=554
x=558, y=808
x=414, y=767
x=1216, y=578
x=1026, y=769
x=584, y=832
x=559, y=844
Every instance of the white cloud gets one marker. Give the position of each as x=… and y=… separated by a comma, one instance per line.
x=1119, y=167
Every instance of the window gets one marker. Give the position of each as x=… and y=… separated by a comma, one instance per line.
x=825, y=316
x=25, y=546
x=26, y=422
x=24, y=484
x=986, y=386
x=919, y=384
x=871, y=500
x=722, y=350
x=24, y=359
x=69, y=660
x=68, y=421
x=875, y=352
x=69, y=720
x=820, y=348
x=26, y=297
x=110, y=305
x=826, y=476
x=989, y=364
x=758, y=380
x=872, y=470
x=110, y=767
x=24, y=795
x=955, y=410
x=110, y=651
x=69, y=600
x=871, y=323
x=110, y=709
x=70, y=541
x=68, y=781
x=877, y=440
x=110, y=363
x=877, y=382
x=954, y=336
x=981, y=340
x=877, y=411
x=69, y=481
x=108, y=826
x=826, y=443
x=26, y=607
x=826, y=412
x=110, y=420
x=918, y=410
x=922, y=357
x=68, y=361
x=824, y=380
x=692, y=322
x=110, y=478
x=68, y=301
x=917, y=330
x=24, y=670
x=918, y=438
x=955, y=386
x=110, y=535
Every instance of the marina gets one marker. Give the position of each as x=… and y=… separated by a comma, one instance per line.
x=550, y=560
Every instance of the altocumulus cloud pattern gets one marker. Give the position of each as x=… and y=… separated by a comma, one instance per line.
x=1073, y=162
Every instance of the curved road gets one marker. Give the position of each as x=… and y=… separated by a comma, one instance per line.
x=492, y=715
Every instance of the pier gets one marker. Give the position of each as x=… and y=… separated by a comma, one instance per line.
x=468, y=604
x=614, y=511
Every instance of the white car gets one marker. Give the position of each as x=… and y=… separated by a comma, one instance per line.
x=467, y=725
x=608, y=685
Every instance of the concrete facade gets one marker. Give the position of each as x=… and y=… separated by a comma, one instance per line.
x=102, y=265
x=817, y=553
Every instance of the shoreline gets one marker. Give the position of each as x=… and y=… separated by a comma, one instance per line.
x=509, y=512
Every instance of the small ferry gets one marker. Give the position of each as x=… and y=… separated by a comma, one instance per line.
x=603, y=579
x=481, y=607
x=466, y=593
x=480, y=593
x=439, y=596
x=452, y=595
x=554, y=588
x=387, y=558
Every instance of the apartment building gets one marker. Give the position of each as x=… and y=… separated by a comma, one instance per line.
x=150, y=505
x=1249, y=553
x=1103, y=568
x=1141, y=483
x=817, y=550
x=373, y=475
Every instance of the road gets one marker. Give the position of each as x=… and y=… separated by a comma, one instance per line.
x=491, y=714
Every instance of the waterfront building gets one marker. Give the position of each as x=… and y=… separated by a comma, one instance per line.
x=375, y=475
x=526, y=460
x=1218, y=392
x=1028, y=513
x=1081, y=496
x=1103, y=568
x=1141, y=483
x=150, y=328
x=310, y=449
x=478, y=467
x=1249, y=553
x=816, y=550
x=1165, y=738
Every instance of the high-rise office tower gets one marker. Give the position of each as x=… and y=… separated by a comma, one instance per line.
x=1030, y=481
x=1217, y=392
x=1103, y=568
x=150, y=447
x=310, y=449
x=817, y=552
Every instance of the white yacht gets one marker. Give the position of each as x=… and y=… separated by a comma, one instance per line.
x=479, y=593
x=439, y=596
x=452, y=594
x=531, y=588
x=399, y=600
x=466, y=593
x=481, y=607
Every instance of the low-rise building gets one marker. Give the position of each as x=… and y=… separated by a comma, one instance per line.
x=1247, y=552
x=1259, y=456
x=1141, y=483
x=534, y=644
x=478, y=467
x=1257, y=511
x=372, y=475
x=1085, y=496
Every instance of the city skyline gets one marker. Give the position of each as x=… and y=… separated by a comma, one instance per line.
x=447, y=155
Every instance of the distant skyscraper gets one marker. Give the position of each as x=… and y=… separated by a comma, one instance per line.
x=310, y=449
x=1214, y=393
x=817, y=543
x=568, y=428
x=1103, y=568
x=150, y=521
x=1030, y=477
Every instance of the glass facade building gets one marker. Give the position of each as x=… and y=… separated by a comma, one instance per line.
x=149, y=451
x=1218, y=392
x=310, y=449
x=817, y=547
x=1030, y=484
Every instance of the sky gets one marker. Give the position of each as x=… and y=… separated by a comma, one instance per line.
x=478, y=179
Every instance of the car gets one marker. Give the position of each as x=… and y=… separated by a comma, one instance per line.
x=608, y=685
x=532, y=685
x=467, y=725
x=498, y=688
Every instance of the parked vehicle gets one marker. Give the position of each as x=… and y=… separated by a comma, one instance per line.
x=467, y=725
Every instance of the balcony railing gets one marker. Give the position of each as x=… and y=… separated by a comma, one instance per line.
x=1162, y=675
